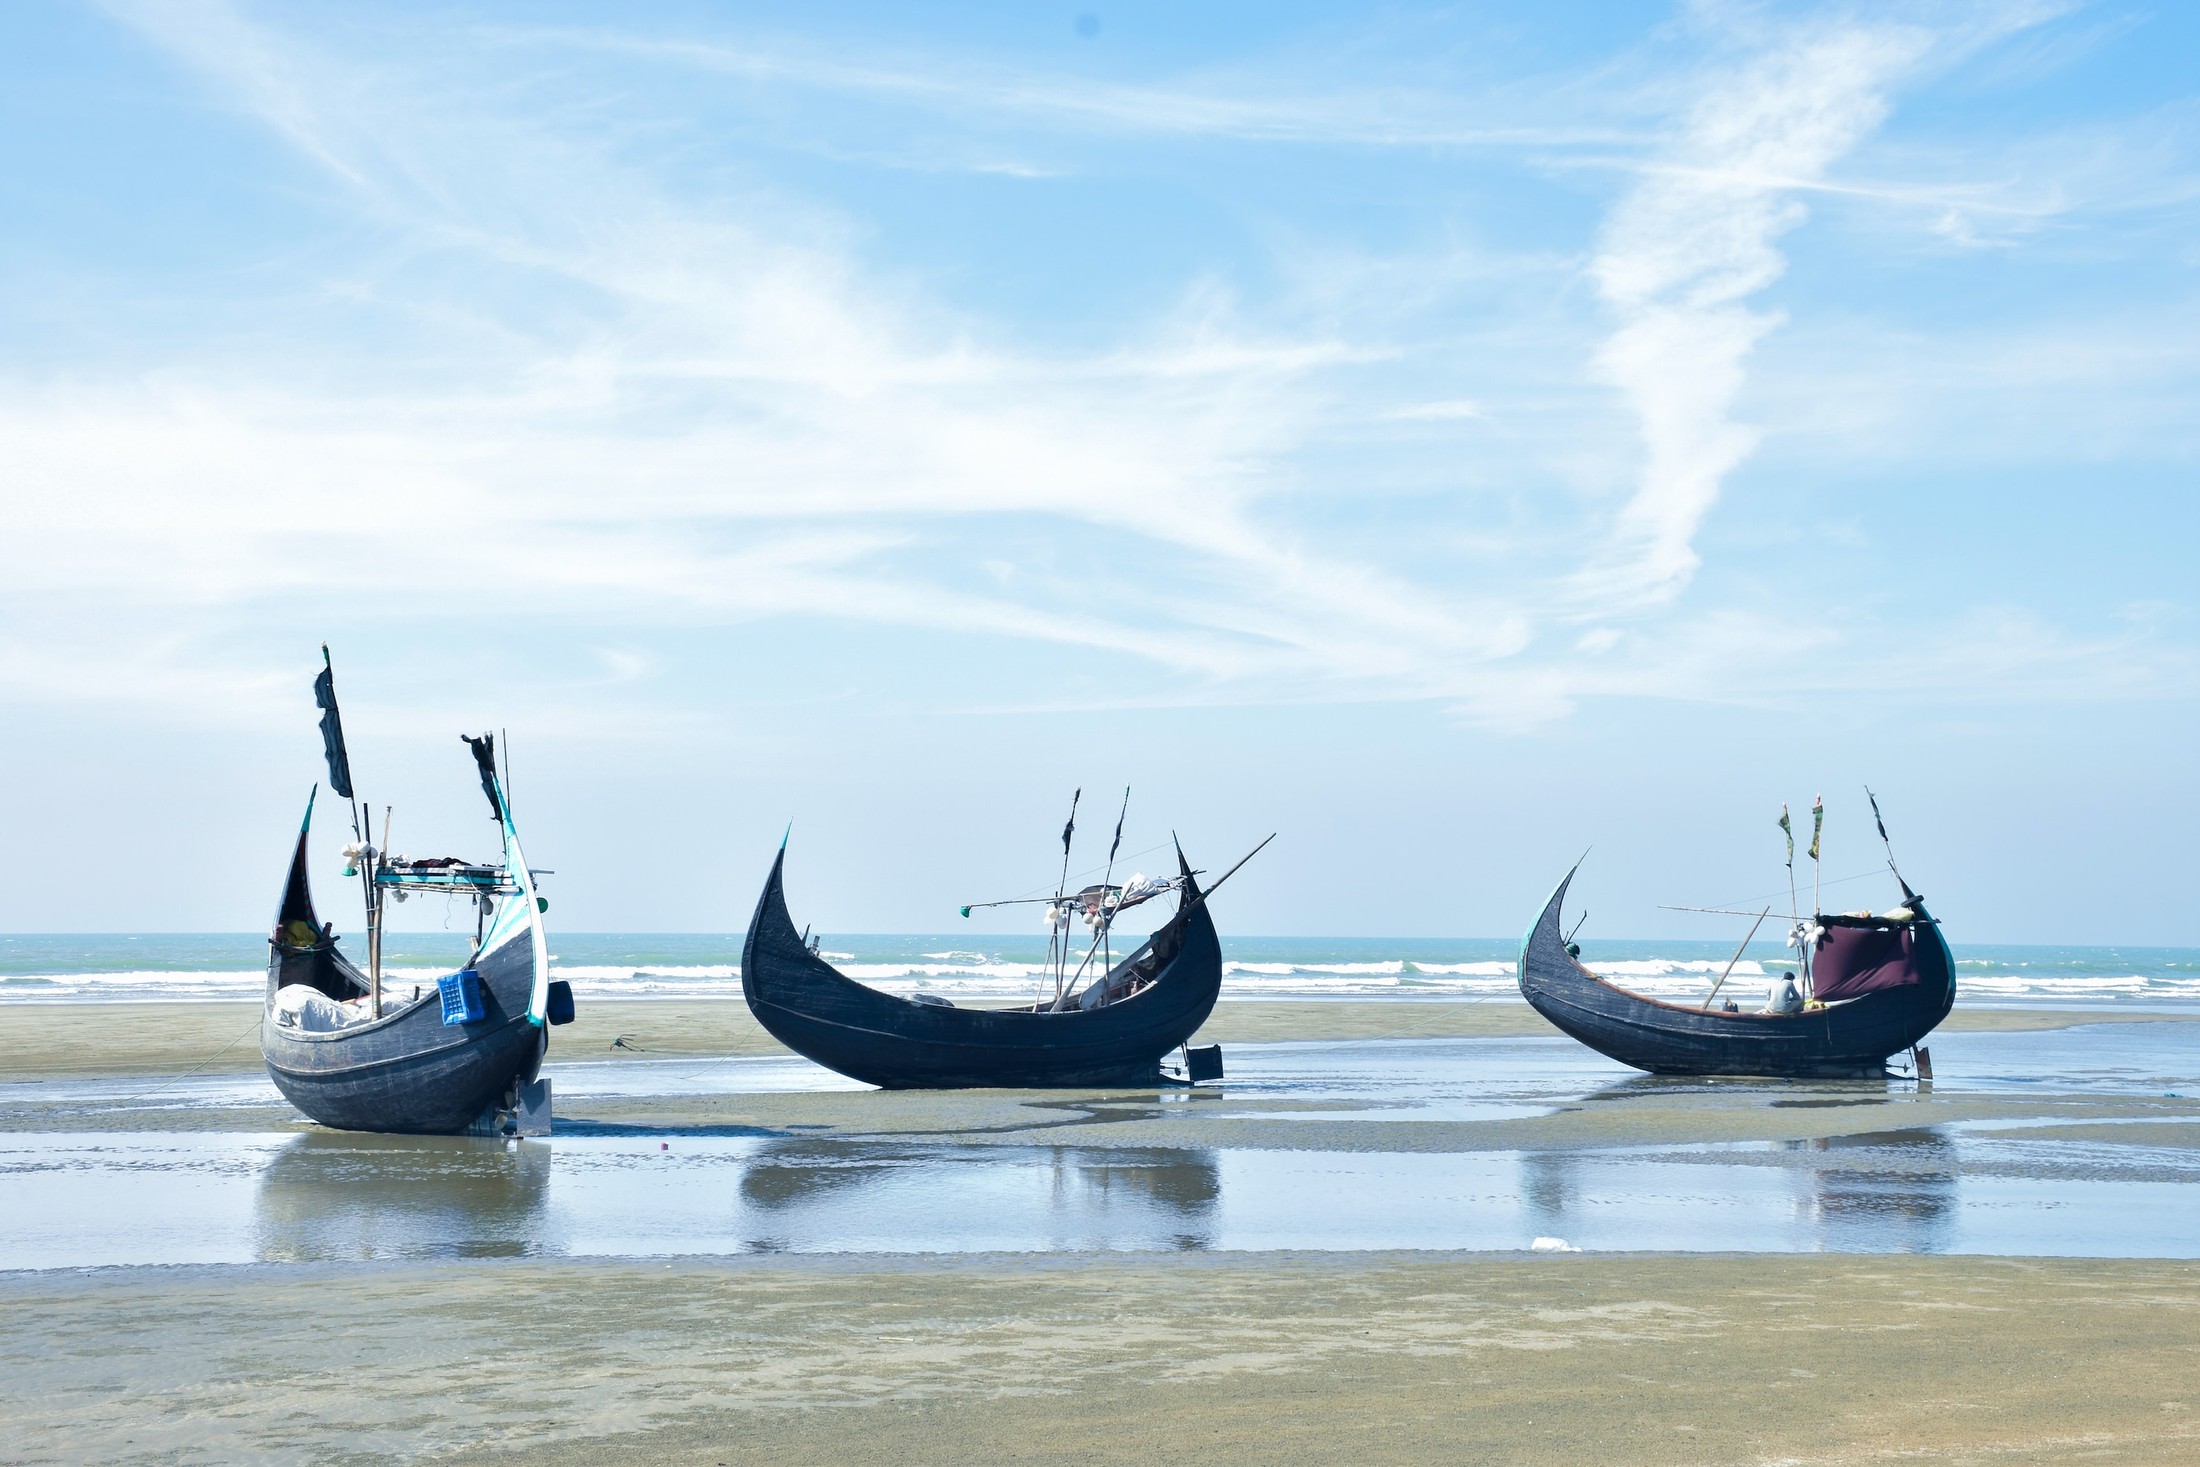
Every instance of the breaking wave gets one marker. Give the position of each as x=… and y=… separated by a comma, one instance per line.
x=209, y=967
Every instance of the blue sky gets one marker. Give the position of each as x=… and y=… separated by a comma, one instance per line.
x=1450, y=436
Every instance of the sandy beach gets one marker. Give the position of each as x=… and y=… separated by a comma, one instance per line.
x=40, y=1041
x=438, y=1299
x=1234, y=1359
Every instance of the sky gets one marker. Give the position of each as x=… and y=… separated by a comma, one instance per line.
x=1450, y=437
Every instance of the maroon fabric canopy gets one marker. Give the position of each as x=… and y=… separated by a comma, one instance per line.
x=1852, y=961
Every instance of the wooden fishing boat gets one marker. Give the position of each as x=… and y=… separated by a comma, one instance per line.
x=1116, y=1031
x=1879, y=985
x=446, y=1057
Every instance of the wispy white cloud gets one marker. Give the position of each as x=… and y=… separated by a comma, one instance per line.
x=618, y=399
x=821, y=415
x=1252, y=108
x=1687, y=249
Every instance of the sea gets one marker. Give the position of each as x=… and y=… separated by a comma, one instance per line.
x=210, y=967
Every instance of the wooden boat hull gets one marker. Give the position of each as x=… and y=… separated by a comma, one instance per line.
x=1849, y=1039
x=407, y=1072
x=890, y=1042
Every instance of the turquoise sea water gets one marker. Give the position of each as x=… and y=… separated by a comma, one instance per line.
x=204, y=966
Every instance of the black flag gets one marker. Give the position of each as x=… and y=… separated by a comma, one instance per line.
x=485, y=756
x=1117, y=844
x=1071, y=827
x=332, y=727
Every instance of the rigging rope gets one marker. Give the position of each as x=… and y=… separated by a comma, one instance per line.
x=169, y=1080
x=1765, y=896
x=1037, y=893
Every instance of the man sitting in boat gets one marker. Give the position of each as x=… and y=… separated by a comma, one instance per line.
x=1785, y=997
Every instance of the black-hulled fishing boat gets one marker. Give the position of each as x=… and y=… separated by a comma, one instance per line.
x=458, y=1054
x=1874, y=986
x=1115, y=1030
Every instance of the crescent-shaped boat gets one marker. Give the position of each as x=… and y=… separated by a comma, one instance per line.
x=1115, y=1032
x=1880, y=984
x=446, y=1057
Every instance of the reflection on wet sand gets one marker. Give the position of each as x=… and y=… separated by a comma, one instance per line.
x=328, y=1196
x=1451, y=1144
x=1879, y=1191
x=1114, y=1197
x=1869, y=1192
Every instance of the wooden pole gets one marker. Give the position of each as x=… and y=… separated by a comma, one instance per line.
x=1730, y=962
x=1058, y=951
x=374, y=940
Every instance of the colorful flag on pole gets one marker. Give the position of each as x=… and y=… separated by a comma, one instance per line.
x=1817, y=823
x=1788, y=830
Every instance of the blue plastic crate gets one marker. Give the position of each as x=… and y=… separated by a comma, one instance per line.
x=462, y=997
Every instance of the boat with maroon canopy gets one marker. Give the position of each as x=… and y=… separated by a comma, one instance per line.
x=1876, y=985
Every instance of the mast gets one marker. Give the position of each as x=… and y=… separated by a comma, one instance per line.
x=1057, y=919
x=1788, y=830
x=1107, y=918
x=1797, y=938
x=1730, y=962
x=339, y=780
x=374, y=930
x=1817, y=830
x=518, y=873
x=1817, y=869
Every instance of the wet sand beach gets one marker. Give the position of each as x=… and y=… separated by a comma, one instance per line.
x=727, y=1255
x=39, y=1041
x=1248, y=1359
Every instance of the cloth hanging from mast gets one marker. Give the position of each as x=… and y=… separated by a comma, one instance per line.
x=1788, y=830
x=332, y=728
x=1817, y=823
x=485, y=759
x=1854, y=958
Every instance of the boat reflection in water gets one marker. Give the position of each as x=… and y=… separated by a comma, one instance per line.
x=1873, y=1192
x=804, y=1195
x=340, y=1196
x=1881, y=1191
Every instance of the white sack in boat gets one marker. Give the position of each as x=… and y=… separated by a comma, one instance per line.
x=315, y=1012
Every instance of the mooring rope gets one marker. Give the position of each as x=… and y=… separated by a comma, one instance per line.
x=169, y=1080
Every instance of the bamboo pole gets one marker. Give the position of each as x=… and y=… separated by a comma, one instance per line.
x=1730, y=962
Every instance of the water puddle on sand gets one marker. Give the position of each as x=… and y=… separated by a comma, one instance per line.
x=619, y=1186
x=136, y=1198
